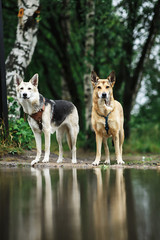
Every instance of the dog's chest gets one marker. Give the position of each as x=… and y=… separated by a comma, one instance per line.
x=100, y=126
x=29, y=107
x=26, y=106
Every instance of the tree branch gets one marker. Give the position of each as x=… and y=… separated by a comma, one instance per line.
x=137, y=76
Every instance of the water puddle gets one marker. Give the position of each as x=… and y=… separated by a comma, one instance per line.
x=76, y=204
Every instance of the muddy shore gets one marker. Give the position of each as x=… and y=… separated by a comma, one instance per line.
x=84, y=160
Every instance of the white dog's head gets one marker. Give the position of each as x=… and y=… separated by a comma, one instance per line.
x=26, y=90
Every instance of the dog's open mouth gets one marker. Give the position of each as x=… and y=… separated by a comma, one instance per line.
x=25, y=97
x=107, y=101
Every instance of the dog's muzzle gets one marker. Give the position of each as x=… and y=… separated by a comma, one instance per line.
x=104, y=95
x=25, y=95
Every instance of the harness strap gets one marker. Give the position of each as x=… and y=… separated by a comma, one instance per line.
x=106, y=121
x=38, y=115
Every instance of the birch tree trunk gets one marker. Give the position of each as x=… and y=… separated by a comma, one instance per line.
x=89, y=57
x=26, y=39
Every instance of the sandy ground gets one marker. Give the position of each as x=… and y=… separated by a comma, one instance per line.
x=84, y=160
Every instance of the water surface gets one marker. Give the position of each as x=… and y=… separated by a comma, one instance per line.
x=78, y=204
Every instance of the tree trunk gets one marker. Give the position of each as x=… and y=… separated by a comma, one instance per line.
x=60, y=49
x=89, y=60
x=26, y=39
x=133, y=83
x=3, y=91
x=65, y=22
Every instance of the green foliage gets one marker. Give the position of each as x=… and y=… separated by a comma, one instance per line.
x=120, y=34
x=104, y=167
x=144, y=138
x=13, y=105
x=20, y=135
x=10, y=12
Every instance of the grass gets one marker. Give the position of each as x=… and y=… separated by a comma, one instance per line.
x=5, y=149
x=144, y=139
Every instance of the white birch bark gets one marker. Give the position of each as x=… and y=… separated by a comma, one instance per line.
x=89, y=58
x=26, y=39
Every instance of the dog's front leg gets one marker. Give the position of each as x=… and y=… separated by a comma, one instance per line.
x=98, y=145
x=106, y=149
x=47, y=136
x=37, y=136
x=117, y=150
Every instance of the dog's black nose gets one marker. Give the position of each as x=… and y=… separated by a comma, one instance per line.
x=24, y=95
x=104, y=95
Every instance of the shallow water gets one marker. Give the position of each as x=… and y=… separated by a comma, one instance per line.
x=79, y=204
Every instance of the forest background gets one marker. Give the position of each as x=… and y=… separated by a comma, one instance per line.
x=75, y=37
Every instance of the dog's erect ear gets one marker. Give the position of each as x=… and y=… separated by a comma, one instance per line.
x=17, y=79
x=94, y=78
x=112, y=78
x=34, y=80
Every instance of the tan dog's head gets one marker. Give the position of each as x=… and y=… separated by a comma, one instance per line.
x=103, y=87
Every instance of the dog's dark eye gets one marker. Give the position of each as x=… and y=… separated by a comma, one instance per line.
x=99, y=87
x=21, y=88
x=107, y=86
x=29, y=88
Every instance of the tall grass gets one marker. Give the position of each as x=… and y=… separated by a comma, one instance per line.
x=145, y=138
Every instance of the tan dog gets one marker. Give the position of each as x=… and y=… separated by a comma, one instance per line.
x=107, y=117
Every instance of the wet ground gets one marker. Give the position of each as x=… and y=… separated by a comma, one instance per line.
x=84, y=160
x=79, y=201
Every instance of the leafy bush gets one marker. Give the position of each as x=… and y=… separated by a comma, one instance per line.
x=20, y=135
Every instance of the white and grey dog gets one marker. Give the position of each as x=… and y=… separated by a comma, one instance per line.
x=48, y=116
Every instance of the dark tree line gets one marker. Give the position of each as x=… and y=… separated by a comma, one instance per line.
x=124, y=37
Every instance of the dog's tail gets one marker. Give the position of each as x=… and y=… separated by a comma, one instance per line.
x=69, y=140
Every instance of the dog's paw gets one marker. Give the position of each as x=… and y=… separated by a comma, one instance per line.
x=60, y=160
x=74, y=161
x=34, y=162
x=120, y=161
x=95, y=163
x=45, y=160
x=107, y=162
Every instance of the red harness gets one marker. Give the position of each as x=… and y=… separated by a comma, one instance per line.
x=38, y=115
